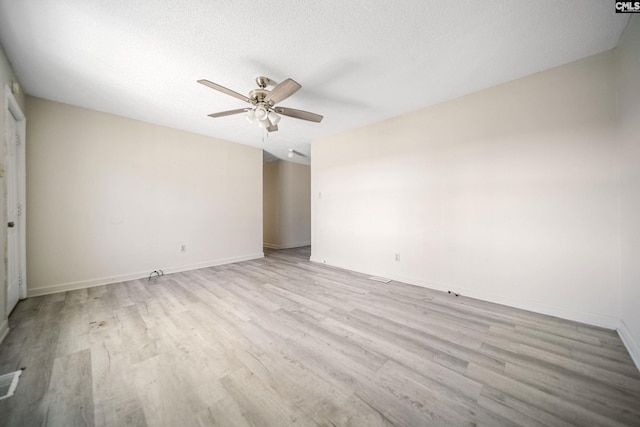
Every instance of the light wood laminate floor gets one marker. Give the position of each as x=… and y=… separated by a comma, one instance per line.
x=281, y=342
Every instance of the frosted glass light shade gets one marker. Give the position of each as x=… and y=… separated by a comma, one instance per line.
x=274, y=118
x=261, y=112
x=251, y=116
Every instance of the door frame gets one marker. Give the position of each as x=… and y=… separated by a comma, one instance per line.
x=12, y=107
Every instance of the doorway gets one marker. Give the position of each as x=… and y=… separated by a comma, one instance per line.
x=14, y=172
x=286, y=205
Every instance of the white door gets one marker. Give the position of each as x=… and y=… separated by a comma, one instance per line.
x=13, y=214
x=14, y=168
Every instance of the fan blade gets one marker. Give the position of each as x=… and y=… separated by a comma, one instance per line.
x=299, y=114
x=228, y=113
x=284, y=90
x=272, y=128
x=224, y=90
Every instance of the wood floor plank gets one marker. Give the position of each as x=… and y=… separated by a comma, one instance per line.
x=69, y=400
x=260, y=406
x=527, y=368
x=309, y=325
x=225, y=412
x=538, y=398
x=614, y=379
x=621, y=408
x=282, y=341
x=308, y=391
x=520, y=412
x=440, y=404
x=413, y=339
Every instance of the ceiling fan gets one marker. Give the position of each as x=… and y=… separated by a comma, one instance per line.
x=264, y=110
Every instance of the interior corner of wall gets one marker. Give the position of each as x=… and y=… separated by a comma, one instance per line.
x=4, y=329
x=632, y=345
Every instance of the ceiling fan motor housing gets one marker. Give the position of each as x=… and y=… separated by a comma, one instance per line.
x=258, y=96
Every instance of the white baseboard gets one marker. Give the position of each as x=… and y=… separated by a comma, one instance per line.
x=288, y=246
x=53, y=289
x=594, y=319
x=4, y=330
x=633, y=347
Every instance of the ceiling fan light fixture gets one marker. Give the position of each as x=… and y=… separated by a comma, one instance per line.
x=291, y=153
x=261, y=112
x=251, y=116
x=264, y=123
x=273, y=118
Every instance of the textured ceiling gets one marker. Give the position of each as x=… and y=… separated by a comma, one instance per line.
x=358, y=61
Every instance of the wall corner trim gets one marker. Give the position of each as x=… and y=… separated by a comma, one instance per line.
x=4, y=330
x=630, y=343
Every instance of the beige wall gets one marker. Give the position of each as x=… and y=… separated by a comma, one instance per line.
x=628, y=66
x=271, y=204
x=508, y=195
x=7, y=76
x=287, y=205
x=111, y=198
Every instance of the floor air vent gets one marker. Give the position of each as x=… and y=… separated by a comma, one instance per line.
x=380, y=279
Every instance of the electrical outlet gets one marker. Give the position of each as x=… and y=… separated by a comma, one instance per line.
x=183, y=248
x=398, y=257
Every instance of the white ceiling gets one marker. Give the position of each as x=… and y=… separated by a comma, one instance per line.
x=358, y=61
